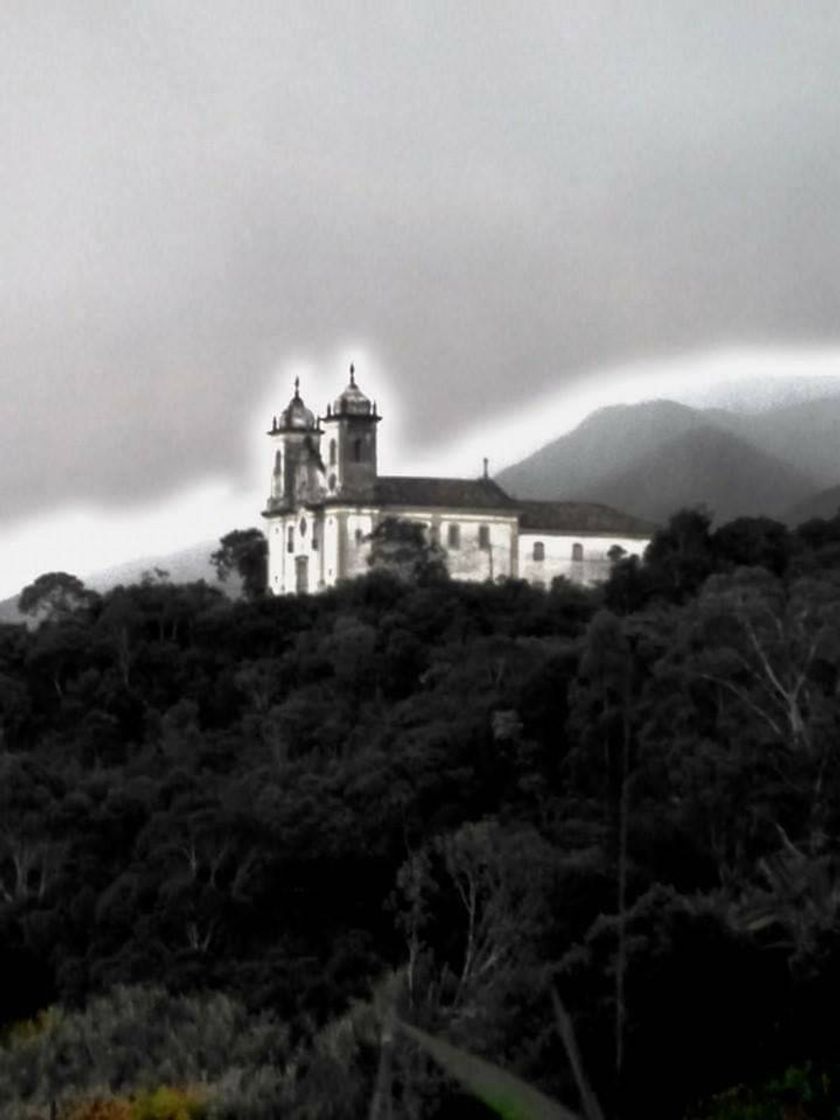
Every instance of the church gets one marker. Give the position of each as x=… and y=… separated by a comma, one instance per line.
x=327, y=497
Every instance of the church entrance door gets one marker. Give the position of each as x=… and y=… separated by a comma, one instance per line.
x=301, y=574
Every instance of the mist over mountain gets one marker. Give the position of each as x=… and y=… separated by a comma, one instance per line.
x=805, y=434
x=658, y=456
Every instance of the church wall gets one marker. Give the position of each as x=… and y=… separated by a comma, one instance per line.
x=472, y=558
x=284, y=566
x=358, y=525
x=347, y=532
x=276, y=574
x=581, y=557
x=331, y=557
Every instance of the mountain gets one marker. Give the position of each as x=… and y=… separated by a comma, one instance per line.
x=705, y=466
x=185, y=566
x=824, y=504
x=653, y=458
x=804, y=434
x=604, y=444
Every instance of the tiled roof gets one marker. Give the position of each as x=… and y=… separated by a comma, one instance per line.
x=584, y=517
x=485, y=494
x=450, y=493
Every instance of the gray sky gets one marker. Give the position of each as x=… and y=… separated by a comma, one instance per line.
x=498, y=200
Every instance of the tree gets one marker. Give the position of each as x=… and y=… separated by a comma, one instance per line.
x=774, y=650
x=244, y=552
x=605, y=692
x=754, y=542
x=679, y=557
x=401, y=547
x=53, y=596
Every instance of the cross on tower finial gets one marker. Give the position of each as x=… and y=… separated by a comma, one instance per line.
x=352, y=374
x=297, y=388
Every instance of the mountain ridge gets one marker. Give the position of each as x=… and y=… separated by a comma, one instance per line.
x=656, y=456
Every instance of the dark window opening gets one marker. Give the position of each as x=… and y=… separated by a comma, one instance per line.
x=357, y=451
x=332, y=452
x=539, y=550
x=453, y=536
x=577, y=552
x=484, y=536
x=290, y=540
x=359, y=537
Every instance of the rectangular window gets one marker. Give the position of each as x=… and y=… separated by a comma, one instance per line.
x=539, y=550
x=577, y=552
x=453, y=536
x=484, y=536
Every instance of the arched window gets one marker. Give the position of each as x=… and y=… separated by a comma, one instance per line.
x=453, y=535
x=577, y=552
x=303, y=526
x=539, y=550
x=484, y=536
x=332, y=452
x=357, y=451
x=290, y=540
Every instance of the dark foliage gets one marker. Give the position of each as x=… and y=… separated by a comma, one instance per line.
x=445, y=798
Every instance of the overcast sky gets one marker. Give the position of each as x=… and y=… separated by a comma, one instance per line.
x=483, y=204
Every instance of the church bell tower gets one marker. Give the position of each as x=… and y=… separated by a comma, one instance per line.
x=297, y=475
x=350, y=444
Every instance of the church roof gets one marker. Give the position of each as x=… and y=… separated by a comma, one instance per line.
x=352, y=401
x=580, y=517
x=295, y=415
x=445, y=493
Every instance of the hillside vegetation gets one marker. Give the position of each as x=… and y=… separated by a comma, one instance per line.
x=236, y=837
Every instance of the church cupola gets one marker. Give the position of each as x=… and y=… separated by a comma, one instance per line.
x=350, y=432
x=296, y=416
x=298, y=472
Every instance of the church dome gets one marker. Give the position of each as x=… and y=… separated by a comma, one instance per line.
x=352, y=401
x=296, y=414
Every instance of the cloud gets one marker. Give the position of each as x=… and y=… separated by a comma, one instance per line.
x=501, y=202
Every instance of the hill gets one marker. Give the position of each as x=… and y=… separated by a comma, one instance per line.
x=605, y=443
x=709, y=467
x=824, y=504
x=652, y=458
x=185, y=566
x=803, y=434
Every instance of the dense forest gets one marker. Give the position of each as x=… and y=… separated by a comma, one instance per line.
x=243, y=839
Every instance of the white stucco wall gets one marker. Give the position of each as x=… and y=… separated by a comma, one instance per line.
x=347, y=547
x=282, y=564
x=559, y=550
x=471, y=561
x=344, y=548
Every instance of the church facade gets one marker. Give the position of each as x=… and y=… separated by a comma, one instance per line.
x=327, y=497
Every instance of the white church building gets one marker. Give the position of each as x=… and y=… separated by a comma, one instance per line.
x=327, y=497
